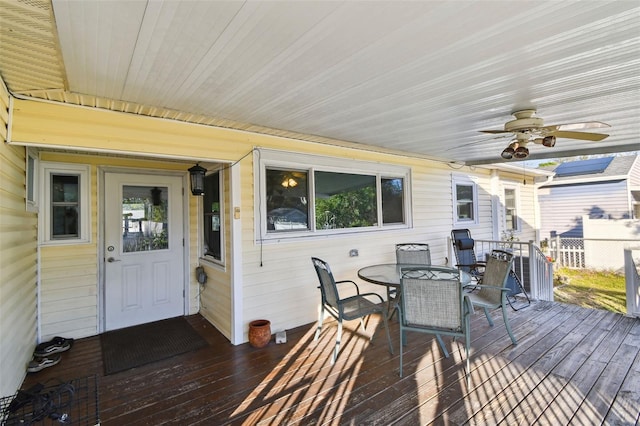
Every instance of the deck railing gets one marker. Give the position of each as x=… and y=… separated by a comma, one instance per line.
x=531, y=265
x=632, y=281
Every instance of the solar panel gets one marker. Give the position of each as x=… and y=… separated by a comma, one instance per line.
x=583, y=167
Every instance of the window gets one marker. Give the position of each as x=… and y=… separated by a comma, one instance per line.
x=212, y=216
x=65, y=189
x=465, y=204
x=32, y=180
x=511, y=210
x=308, y=194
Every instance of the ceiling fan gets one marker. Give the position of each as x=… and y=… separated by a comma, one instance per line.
x=527, y=128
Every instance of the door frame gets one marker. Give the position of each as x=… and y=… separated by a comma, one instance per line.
x=102, y=171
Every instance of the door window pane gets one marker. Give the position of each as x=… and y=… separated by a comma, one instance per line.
x=144, y=218
x=511, y=213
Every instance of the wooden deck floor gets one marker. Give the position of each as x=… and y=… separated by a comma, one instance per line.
x=571, y=366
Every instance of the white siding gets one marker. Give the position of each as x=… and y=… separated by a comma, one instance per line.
x=18, y=264
x=563, y=206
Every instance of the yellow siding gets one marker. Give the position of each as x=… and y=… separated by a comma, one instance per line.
x=18, y=263
x=69, y=284
x=215, y=298
x=278, y=281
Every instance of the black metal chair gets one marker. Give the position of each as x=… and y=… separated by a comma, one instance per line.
x=433, y=302
x=347, y=308
x=464, y=250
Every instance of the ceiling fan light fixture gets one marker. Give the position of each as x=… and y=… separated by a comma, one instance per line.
x=521, y=152
x=509, y=151
x=549, y=141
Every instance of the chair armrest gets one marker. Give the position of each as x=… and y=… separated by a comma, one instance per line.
x=491, y=287
x=468, y=304
x=473, y=265
x=352, y=282
x=376, y=295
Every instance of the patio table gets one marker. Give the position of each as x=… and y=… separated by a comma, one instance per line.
x=389, y=275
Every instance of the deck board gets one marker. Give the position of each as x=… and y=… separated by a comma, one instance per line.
x=571, y=365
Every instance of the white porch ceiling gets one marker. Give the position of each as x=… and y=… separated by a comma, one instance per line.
x=420, y=78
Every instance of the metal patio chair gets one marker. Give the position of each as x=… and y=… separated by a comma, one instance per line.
x=436, y=304
x=492, y=293
x=409, y=254
x=347, y=308
x=464, y=250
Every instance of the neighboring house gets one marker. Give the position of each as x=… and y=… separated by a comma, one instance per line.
x=100, y=231
x=607, y=187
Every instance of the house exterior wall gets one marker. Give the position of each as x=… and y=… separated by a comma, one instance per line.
x=18, y=263
x=528, y=214
x=634, y=173
x=275, y=279
x=69, y=273
x=564, y=205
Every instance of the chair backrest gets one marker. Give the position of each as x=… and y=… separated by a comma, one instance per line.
x=496, y=274
x=413, y=253
x=327, y=287
x=463, y=248
x=431, y=302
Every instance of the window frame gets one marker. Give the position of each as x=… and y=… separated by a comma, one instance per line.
x=464, y=180
x=516, y=194
x=269, y=159
x=203, y=255
x=83, y=171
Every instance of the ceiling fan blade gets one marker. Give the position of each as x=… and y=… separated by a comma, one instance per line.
x=494, y=131
x=576, y=126
x=579, y=135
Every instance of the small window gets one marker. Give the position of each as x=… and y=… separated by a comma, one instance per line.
x=32, y=180
x=65, y=190
x=465, y=201
x=393, y=201
x=511, y=210
x=212, y=217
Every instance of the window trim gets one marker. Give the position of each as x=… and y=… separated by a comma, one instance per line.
x=47, y=169
x=516, y=189
x=464, y=180
x=310, y=163
x=203, y=256
x=32, y=184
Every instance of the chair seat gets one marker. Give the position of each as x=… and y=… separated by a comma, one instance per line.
x=357, y=306
x=482, y=302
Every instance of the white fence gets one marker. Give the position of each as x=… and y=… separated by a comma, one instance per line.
x=590, y=253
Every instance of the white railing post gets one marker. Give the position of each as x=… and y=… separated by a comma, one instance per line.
x=533, y=272
x=632, y=282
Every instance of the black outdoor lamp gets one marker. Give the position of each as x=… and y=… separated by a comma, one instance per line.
x=196, y=173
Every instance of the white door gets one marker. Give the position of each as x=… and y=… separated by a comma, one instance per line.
x=143, y=249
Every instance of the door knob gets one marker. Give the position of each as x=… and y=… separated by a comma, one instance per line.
x=112, y=259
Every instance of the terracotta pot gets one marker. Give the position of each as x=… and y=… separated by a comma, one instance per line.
x=259, y=333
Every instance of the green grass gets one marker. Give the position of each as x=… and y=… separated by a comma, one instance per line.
x=590, y=289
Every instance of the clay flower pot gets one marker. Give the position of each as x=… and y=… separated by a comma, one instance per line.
x=259, y=333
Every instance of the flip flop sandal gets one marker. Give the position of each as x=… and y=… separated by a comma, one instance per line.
x=39, y=363
x=53, y=346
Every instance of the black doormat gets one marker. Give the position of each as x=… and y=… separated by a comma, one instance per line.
x=142, y=344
